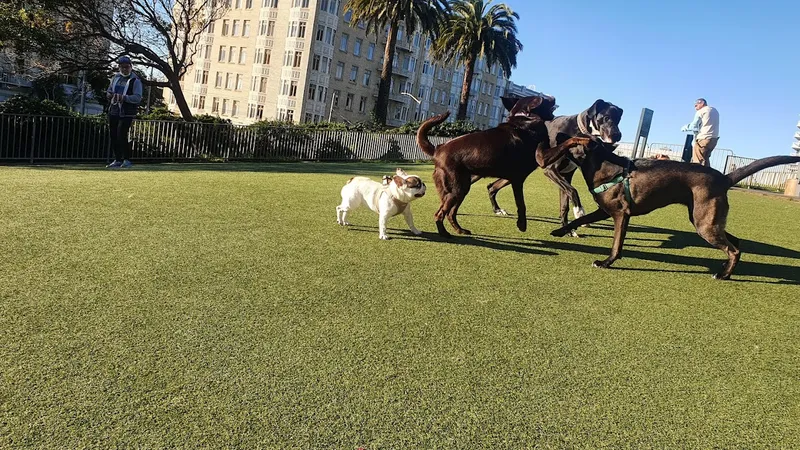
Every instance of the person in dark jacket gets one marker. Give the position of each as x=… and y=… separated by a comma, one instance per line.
x=125, y=93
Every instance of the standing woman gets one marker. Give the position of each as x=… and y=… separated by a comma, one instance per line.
x=125, y=94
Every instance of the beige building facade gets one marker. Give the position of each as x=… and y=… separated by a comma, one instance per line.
x=307, y=61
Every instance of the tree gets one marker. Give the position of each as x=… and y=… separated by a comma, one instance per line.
x=471, y=33
x=379, y=15
x=162, y=34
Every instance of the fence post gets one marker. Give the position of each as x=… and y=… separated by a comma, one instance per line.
x=33, y=138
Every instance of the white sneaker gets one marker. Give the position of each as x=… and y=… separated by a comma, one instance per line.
x=114, y=164
x=125, y=164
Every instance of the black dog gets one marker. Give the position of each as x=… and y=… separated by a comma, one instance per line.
x=507, y=151
x=602, y=120
x=624, y=188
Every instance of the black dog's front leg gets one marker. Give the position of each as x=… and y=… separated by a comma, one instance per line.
x=589, y=218
x=620, y=228
x=522, y=219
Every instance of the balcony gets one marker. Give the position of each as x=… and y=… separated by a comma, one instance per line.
x=796, y=146
x=797, y=135
x=399, y=71
x=264, y=41
x=395, y=97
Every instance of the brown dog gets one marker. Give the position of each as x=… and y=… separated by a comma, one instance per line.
x=507, y=151
x=625, y=188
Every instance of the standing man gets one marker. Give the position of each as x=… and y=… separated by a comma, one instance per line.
x=125, y=94
x=705, y=127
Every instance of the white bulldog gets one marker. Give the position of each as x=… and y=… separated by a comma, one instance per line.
x=389, y=198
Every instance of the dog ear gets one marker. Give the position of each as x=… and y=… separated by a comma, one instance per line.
x=401, y=172
x=526, y=105
x=509, y=102
x=599, y=106
x=399, y=181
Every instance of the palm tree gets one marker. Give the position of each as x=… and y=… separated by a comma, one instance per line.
x=425, y=15
x=472, y=32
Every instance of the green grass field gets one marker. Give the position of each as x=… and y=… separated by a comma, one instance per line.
x=221, y=306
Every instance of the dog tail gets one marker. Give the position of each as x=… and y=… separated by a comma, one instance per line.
x=422, y=134
x=743, y=172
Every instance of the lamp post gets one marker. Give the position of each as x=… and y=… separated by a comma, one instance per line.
x=419, y=104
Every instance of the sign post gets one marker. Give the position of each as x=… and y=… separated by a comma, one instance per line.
x=687, y=148
x=645, y=120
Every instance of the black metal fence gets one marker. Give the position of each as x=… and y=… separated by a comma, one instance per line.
x=41, y=139
x=37, y=139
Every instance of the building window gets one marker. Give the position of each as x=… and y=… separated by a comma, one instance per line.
x=353, y=73
x=362, y=105
x=248, y=4
x=348, y=102
x=225, y=27
x=234, y=107
x=336, y=95
x=298, y=59
x=246, y=28
x=348, y=16
x=223, y=54
x=315, y=62
x=367, y=75
x=343, y=43
x=235, y=29
x=271, y=28
x=238, y=82
x=269, y=3
x=339, y=70
x=224, y=106
x=242, y=55
x=215, y=105
x=231, y=54
x=229, y=79
x=371, y=51
x=218, y=83
x=357, y=47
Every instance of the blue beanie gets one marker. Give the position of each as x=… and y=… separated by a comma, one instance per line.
x=124, y=60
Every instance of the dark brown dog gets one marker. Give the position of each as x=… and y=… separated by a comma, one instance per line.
x=653, y=184
x=507, y=151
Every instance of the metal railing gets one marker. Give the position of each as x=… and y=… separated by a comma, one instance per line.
x=770, y=178
x=30, y=138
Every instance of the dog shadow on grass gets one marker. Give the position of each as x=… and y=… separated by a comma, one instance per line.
x=474, y=240
x=783, y=274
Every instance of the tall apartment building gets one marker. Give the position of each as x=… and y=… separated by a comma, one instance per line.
x=305, y=60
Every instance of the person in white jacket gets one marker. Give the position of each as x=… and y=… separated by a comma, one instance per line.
x=705, y=127
x=125, y=93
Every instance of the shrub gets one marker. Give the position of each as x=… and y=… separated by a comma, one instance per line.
x=23, y=104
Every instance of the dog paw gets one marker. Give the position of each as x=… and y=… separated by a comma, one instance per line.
x=604, y=264
x=522, y=224
x=574, y=234
x=559, y=232
x=501, y=212
x=721, y=276
x=383, y=237
x=578, y=212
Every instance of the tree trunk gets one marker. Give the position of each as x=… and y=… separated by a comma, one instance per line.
x=469, y=73
x=180, y=98
x=382, y=105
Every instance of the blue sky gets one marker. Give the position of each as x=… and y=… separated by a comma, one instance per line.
x=744, y=58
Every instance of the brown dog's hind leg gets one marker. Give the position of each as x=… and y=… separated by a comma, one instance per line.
x=459, y=193
x=493, y=188
x=709, y=221
x=620, y=229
